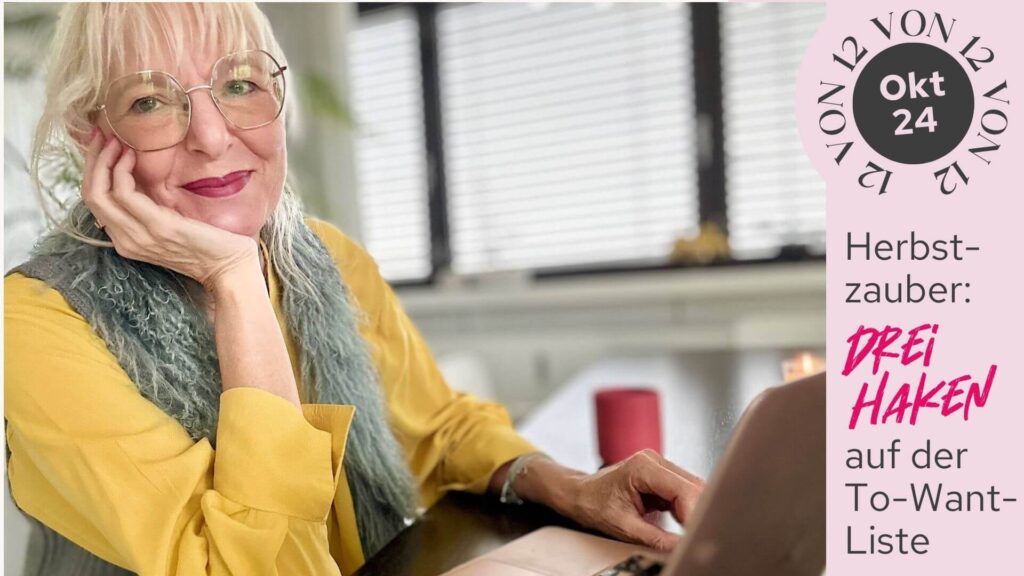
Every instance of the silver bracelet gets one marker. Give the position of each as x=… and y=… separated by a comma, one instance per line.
x=508, y=494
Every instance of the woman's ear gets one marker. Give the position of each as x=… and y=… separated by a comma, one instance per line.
x=84, y=138
x=96, y=123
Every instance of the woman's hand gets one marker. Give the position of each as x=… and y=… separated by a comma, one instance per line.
x=140, y=229
x=615, y=499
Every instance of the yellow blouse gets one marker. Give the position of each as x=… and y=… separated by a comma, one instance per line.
x=100, y=464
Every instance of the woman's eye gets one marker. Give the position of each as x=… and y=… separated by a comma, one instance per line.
x=145, y=105
x=240, y=87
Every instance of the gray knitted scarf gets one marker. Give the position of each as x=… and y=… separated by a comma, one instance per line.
x=165, y=344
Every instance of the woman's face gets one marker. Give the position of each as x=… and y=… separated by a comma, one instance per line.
x=213, y=148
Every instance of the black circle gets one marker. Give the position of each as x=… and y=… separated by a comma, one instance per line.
x=940, y=92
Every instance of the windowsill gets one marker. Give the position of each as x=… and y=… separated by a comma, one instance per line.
x=512, y=292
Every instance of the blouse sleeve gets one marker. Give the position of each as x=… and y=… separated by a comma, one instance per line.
x=453, y=441
x=106, y=468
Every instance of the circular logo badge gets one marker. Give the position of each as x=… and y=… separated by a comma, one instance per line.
x=913, y=103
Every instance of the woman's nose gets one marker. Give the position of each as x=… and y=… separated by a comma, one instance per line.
x=208, y=131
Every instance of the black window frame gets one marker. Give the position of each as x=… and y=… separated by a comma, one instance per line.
x=705, y=33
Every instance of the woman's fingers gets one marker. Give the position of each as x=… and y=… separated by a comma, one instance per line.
x=650, y=477
x=140, y=206
x=96, y=186
x=92, y=150
x=638, y=530
x=156, y=223
x=91, y=185
x=103, y=164
x=616, y=498
x=690, y=476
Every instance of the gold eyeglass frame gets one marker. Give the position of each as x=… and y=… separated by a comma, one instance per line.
x=188, y=97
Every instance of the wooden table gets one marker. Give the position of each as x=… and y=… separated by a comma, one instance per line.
x=456, y=529
x=702, y=396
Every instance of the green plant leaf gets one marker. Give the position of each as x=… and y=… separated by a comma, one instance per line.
x=320, y=96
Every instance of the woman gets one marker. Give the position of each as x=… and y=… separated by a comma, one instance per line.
x=185, y=304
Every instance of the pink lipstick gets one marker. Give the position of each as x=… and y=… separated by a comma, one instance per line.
x=219, y=187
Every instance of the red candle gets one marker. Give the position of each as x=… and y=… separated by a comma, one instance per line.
x=628, y=420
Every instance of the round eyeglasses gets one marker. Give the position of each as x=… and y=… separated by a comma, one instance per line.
x=150, y=110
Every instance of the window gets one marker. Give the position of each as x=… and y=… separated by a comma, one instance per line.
x=773, y=194
x=568, y=133
x=387, y=102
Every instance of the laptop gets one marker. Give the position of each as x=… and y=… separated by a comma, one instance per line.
x=762, y=512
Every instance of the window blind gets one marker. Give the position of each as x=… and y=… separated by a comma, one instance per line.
x=569, y=133
x=387, y=102
x=774, y=195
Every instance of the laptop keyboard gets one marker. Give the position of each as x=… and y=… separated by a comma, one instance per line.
x=636, y=565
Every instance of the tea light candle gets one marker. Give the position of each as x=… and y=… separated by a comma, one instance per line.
x=801, y=365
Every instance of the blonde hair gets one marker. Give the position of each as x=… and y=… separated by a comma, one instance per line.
x=90, y=48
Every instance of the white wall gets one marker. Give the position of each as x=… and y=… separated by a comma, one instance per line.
x=22, y=218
